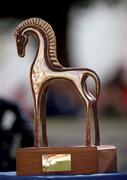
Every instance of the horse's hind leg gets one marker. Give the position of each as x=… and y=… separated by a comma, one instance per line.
x=96, y=124
x=93, y=99
x=88, y=124
x=78, y=87
x=91, y=104
x=87, y=117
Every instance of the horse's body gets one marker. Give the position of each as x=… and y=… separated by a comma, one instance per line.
x=46, y=68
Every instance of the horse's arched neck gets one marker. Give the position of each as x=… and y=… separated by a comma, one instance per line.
x=41, y=54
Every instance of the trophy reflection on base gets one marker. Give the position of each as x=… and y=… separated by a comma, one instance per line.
x=45, y=69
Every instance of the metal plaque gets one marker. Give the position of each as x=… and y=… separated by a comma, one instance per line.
x=56, y=162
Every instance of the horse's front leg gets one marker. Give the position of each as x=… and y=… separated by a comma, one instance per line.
x=40, y=118
x=42, y=110
x=36, y=127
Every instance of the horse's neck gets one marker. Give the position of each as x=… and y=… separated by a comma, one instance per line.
x=41, y=62
x=43, y=59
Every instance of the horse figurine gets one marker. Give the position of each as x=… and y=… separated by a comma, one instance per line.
x=45, y=68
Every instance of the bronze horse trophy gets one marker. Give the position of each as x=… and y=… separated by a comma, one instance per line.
x=44, y=70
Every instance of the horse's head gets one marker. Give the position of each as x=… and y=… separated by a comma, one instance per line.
x=21, y=41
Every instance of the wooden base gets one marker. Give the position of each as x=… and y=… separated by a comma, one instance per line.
x=66, y=160
x=107, y=158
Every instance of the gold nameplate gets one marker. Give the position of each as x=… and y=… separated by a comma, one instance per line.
x=56, y=162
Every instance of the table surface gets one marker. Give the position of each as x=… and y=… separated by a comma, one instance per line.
x=106, y=176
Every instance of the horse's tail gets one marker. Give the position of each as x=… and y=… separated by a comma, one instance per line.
x=92, y=74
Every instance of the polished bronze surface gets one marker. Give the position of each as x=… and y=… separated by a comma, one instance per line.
x=46, y=68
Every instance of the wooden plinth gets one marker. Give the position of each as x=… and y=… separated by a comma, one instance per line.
x=84, y=160
x=107, y=158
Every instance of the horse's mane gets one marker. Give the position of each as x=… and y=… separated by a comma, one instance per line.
x=47, y=29
x=34, y=21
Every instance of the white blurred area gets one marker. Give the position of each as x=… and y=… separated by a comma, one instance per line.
x=14, y=71
x=97, y=38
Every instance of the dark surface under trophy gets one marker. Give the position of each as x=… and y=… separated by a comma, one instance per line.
x=42, y=159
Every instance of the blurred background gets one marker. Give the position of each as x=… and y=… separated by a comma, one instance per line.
x=90, y=34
